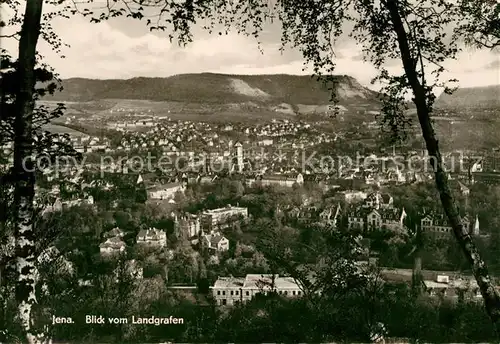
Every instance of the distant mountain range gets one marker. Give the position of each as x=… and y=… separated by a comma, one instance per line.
x=249, y=95
x=472, y=97
x=212, y=88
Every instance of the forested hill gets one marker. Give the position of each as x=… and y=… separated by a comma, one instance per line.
x=219, y=89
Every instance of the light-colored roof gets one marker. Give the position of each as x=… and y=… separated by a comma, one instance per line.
x=254, y=280
x=114, y=243
x=454, y=283
x=115, y=232
x=151, y=233
x=164, y=187
x=229, y=282
x=221, y=210
x=215, y=239
x=436, y=285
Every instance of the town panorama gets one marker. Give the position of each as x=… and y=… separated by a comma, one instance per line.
x=220, y=206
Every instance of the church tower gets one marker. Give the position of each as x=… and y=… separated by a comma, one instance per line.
x=239, y=156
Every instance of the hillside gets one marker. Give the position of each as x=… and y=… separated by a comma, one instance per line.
x=473, y=97
x=212, y=88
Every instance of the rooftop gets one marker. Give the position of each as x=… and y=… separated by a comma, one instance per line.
x=229, y=282
x=255, y=281
x=221, y=210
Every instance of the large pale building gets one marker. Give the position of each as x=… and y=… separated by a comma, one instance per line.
x=232, y=290
x=221, y=217
x=165, y=192
x=277, y=180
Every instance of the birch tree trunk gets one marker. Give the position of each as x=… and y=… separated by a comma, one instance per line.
x=23, y=168
x=488, y=291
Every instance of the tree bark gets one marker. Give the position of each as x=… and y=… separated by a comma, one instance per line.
x=417, y=279
x=462, y=235
x=24, y=187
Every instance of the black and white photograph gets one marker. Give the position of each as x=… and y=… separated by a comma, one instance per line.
x=249, y=171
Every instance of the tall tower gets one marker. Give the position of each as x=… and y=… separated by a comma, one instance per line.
x=208, y=162
x=239, y=156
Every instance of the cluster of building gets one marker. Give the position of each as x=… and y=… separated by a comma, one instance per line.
x=115, y=244
x=53, y=200
x=437, y=223
x=448, y=287
x=206, y=228
x=453, y=287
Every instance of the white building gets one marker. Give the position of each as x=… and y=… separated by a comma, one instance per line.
x=216, y=241
x=112, y=246
x=266, y=142
x=221, y=217
x=231, y=290
x=152, y=237
x=166, y=192
x=277, y=180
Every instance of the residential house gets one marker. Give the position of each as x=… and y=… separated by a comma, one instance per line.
x=388, y=218
x=356, y=218
x=294, y=212
x=377, y=200
x=215, y=241
x=112, y=246
x=437, y=223
x=115, y=232
x=152, y=237
x=376, y=212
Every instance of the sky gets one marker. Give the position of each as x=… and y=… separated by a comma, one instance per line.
x=124, y=48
